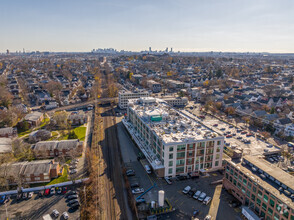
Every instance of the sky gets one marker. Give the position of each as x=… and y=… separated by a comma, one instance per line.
x=184, y=25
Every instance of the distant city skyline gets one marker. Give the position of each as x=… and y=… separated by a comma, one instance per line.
x=186, y=26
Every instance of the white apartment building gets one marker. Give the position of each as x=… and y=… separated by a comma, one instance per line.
x=172, y=142
x=124, y=96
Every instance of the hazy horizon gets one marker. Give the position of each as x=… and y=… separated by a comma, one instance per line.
x=186, y=26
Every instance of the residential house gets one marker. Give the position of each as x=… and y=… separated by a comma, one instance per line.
x=281, y=124
x=34, y=118
x=77, y=118
x=66, y=148
x=8, y=132
x=37, y=171
x=5, y=145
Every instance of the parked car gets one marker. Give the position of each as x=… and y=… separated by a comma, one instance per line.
x=65, y=215
x=167, y=179
x=147, y=168
x=208, y=217
x=58, y=190
x=197, y=194
x=72, y=197
x=72, y=201
x=231, y=126
x=25, y=195
x=138, y=190
x=186, y=189
x=30, y=195
x=249, y=134
x=130, y=172
x=182, y=177
x=228, y=136
x=215, y=125
x=207, y=200
x=192, y=192
x=71, y=193
x=2, y=199
x=141, y=200
x=195, y=213
x=222, y=129
x=55, y=213
x=243, y=132
x=47, y=192
x=40, y=193
x=239, y=137
x=64, y=190
x=52, y=191
x=74, y=205
x=202, y=196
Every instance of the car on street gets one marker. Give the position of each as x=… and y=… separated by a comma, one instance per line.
x=138, y=190
x=239, y=137
x=65, y=215
x=186, y=189
x=197, y=194
x=64, y=190
x=249, y=134
x=222, y=129
x=202, y=196
x=147, y=168
x=228, y=136
x=215, y=125
x=130, y=172
x=167, y=179
x=243, y=132
x=55, y=213
x=207, y=200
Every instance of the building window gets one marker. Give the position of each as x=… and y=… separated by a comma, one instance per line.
x=252, y=197
x=190, y=146
x=180, y=162
x=234, y=182
x=171, y=156
x=258, y=201
x=180, y=169
x=218, y=142
x=217, y=156
x=270, y=211
x=171, y=149
x=227, y=176
x=170, y=163
x=277, y=217
x=260, y=194
x=254, y=189
x=264, y=206
x=170, y=170
x=181, y=147
x=190, y=161
x=181, y=155
x=272, y=204
x=216, y=163
x=245, y=182
x=218, y=149
x=190, y=153
x=265, y=198
x=249, y=185
x=239, y=185
x=243, y=190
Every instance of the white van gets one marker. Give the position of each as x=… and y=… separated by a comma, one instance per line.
x=147, y=168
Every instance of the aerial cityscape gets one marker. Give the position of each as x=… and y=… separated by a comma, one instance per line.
x=157, y=110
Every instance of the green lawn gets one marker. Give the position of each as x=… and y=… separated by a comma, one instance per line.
x=60, y=179
x=81, y=132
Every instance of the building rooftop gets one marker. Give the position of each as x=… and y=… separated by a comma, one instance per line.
x=255, y=174
x=133, y=91
x=172, y=126
x=5, y=145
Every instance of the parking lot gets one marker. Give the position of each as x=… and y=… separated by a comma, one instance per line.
x=184, y=204
x=234, y=137
x=36, y=207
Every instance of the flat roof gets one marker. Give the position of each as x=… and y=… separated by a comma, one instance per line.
x=282, y=176
x=172, y=126
x=267, y=184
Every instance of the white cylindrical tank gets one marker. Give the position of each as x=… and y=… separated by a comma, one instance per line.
x=153, y=204
x=161, y=198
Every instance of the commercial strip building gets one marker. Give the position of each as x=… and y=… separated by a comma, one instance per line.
x=261, y=187
x=124, y=96
x=173, y=143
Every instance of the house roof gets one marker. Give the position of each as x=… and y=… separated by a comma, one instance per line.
x=260, y=113
x=285, y=121
x=5, y=145
x=34, y=116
